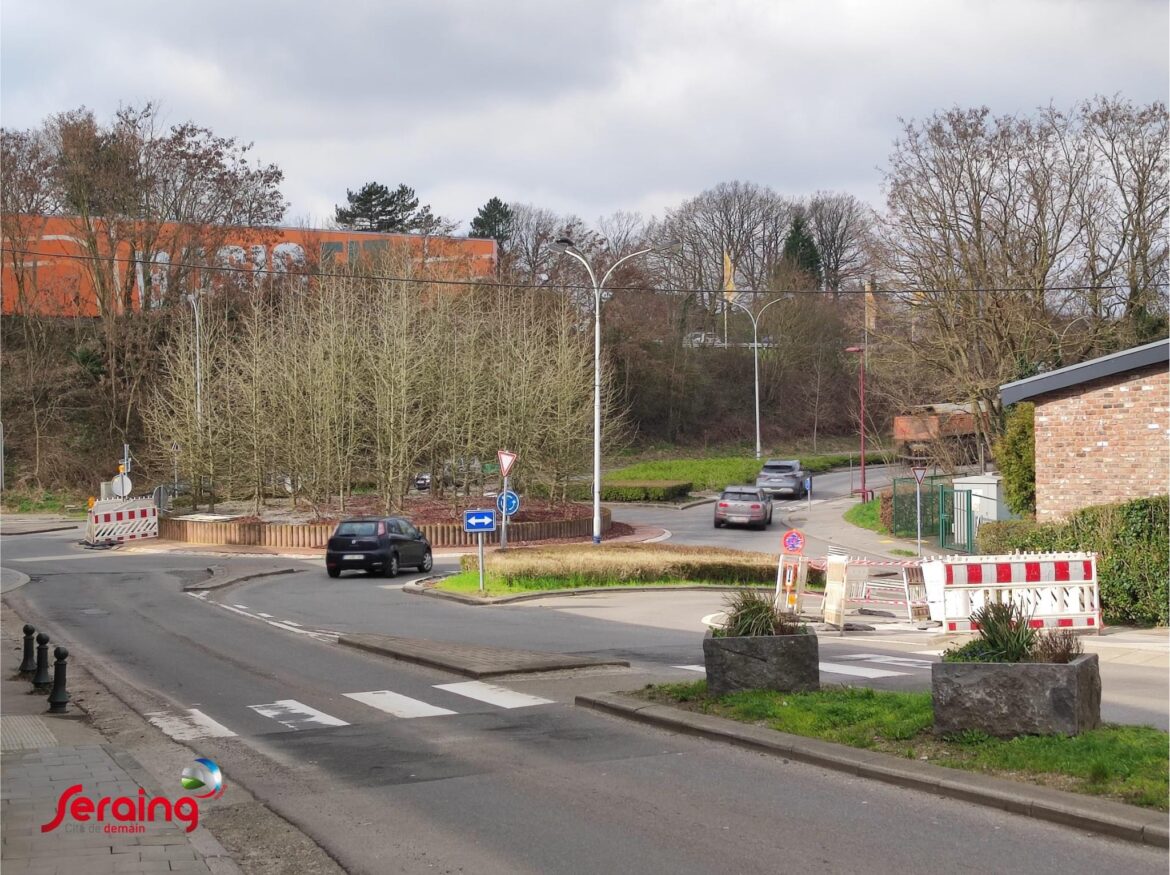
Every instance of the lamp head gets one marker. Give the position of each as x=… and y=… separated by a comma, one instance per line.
x=563, y=244
x=670, y=247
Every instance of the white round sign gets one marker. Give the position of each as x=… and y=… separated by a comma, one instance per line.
x=121, y=486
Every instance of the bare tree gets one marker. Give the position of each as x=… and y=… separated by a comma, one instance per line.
x=841, y=226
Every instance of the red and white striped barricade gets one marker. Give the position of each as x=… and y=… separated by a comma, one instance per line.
x=122, y=519
x=1057, y=590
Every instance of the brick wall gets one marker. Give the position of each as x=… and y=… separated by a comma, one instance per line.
x=1103, y=441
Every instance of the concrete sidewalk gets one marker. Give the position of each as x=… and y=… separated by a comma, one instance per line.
x=41, y=755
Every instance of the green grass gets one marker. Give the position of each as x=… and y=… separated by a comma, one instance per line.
x=44, y=502
x=867, y=516
x=1129, y=763
x=898, y=551
x=468, y=582
x=717, y=472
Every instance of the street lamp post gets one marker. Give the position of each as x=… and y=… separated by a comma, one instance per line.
x=861, y=401
x=755, y=317
x=566, y=246
x=198, y=362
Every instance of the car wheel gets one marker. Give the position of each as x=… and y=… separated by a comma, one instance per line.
x=333, y=572
x=390, y=569
x=718, y=524
x=427, y=563
x=769, y=517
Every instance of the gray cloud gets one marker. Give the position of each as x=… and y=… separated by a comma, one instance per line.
x=587, y=107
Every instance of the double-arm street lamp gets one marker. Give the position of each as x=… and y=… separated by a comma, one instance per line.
x=860, y=350
x=755, y=317
x=566, y=246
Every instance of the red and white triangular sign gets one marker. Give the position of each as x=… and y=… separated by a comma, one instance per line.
x=507, y=460
x=919, y=473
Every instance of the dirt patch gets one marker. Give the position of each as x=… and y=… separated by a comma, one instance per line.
x=419, y=509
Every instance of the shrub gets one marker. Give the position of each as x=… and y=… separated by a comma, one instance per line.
x=1132, y=542
x=1004, y=636
x=886, y=509
x=1015, y=454
x=1057, y=645
x=620, y=490
x=751, y=613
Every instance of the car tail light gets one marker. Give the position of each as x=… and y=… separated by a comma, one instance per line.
x=756, y=506
x=723, y=504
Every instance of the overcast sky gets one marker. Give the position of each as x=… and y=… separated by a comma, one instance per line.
x=585, y=106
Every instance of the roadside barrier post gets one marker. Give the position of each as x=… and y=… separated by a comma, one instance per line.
x=41, y=679
x=28, y=664
x=59, y=697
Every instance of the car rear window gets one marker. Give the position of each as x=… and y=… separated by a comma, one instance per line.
x=779, y=469
x=740, y=496
x=360, y=530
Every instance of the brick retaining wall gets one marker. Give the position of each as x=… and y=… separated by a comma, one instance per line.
x=317, y=534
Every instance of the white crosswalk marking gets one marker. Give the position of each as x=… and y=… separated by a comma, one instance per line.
x=701, y=668
x=398, y=705
x=189, y=726
x=885, y=659
x=859, y=671
x=493, y=695
x=296, y=715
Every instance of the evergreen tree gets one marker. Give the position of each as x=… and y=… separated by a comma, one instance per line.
x=375, y=208
x=800, y=250
x=1015, y=455
x=493, y=221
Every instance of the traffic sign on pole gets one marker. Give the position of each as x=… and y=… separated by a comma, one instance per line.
x=507, y=460
x=121, y=485
x=507, y=502
x=479, y=520
x=793, y=542
x=919, y=473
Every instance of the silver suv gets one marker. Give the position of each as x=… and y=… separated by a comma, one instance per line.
x=783, y=477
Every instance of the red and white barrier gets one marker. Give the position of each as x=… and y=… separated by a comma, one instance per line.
x=121, y=520
x=854, y=581
x=1057, y=590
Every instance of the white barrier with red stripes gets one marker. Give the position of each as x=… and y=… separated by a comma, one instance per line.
x=1057, y=590
x=122, y=519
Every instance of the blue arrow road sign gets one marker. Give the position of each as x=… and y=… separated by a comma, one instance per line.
x=482, y=520
x=508, y=503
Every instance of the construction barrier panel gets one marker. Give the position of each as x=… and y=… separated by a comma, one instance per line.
x=122, y=519
x=871, y=583
x=1056, y=590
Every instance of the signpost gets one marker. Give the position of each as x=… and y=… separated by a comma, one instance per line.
x=792, y=544
x=507, y=460
x=479, y=521
x=175, y=455
x=919, y=473
x=121, y=486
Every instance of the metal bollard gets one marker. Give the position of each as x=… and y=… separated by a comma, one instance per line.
x=59, y=697
x=29, y=664
x=41, y=679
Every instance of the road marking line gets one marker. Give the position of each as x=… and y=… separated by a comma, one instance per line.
x=890, y=660
x=859, y=671
x=290, y=623
x=243, y=607
x=929, y=652
x=296, y=715
x=264, y=615
x=398, y=705
x=493, y=695
x=190, y=726
x=701, y=668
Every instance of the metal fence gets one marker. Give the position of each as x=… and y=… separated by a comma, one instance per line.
x=947, y=513
x=956, y=520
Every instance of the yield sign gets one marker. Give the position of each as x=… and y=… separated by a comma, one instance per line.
x=919, y=473
x=507, y=460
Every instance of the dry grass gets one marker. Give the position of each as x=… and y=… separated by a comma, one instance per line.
x=616, y=563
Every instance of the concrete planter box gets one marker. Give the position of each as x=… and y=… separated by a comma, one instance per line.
x=1006, y=699
x=787, y=663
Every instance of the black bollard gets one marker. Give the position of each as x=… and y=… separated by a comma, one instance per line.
x=29, y=664
x=59, y=697
x=41, y=679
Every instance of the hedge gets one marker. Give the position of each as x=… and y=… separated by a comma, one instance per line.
x=1133, y=553
x=626, y=490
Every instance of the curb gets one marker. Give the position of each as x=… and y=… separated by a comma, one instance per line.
x=551, y=662
x=1089, y=813
x=420, y=587
x=71, y=528
x=217, y=581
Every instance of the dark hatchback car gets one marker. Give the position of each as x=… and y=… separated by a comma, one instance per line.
x=377, y=545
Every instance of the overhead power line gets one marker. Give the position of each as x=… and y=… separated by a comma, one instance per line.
x=253, y=271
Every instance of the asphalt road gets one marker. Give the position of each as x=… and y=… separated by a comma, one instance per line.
x=476, y=786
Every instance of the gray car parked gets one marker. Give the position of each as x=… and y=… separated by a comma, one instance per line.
x=783, y=477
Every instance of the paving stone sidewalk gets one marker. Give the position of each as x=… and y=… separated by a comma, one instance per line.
x=42, y=755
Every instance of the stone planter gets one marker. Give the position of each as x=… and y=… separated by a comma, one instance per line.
x=1006, y=699
x=787, y=663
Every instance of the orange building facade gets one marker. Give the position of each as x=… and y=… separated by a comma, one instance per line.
x=49, y=266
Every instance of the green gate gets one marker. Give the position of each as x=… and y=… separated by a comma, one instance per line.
x=956, y=520
x=905, y=510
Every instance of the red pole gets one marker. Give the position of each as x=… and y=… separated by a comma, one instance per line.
x=864, y=493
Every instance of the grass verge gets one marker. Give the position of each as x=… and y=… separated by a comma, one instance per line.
x=38, y=501
x=1127, y=763
x=867, y=516
x=715, y=473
